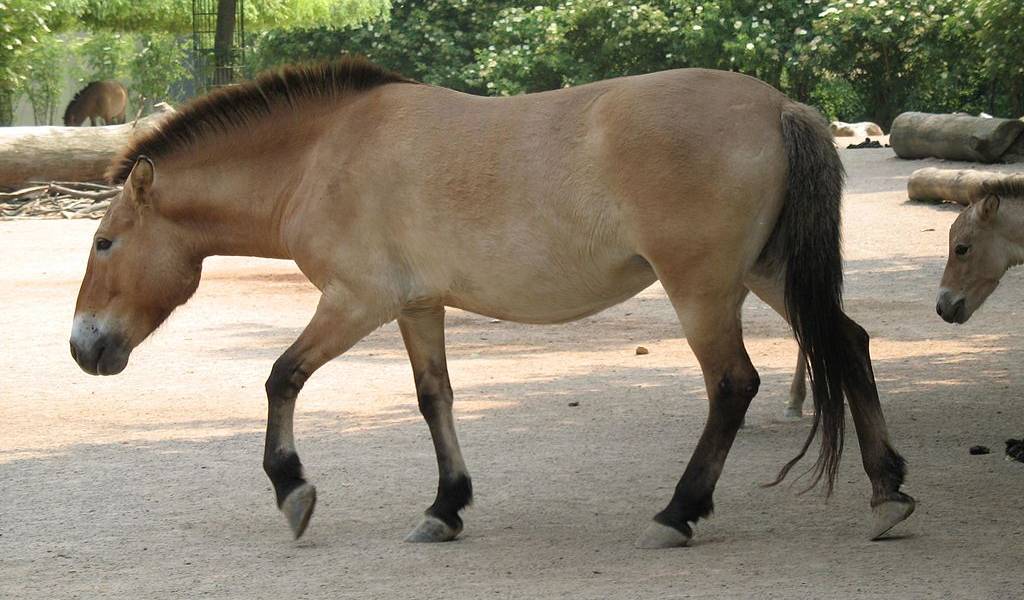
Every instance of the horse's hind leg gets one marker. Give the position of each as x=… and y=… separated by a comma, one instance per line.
x=883, y=465
x=713, y=329
x=423, y=332
x=797, y=389
x=336, y=327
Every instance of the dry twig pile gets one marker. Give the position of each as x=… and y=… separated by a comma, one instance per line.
x=57, y=200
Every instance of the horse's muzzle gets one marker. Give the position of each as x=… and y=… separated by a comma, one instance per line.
x=102, y=355
x=951, y=311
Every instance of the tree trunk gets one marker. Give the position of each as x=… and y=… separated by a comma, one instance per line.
x=954, y=137
x=223, y=43
x=950, y=185
x=66, y=153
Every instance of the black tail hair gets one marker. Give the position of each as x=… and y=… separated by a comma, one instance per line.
x=806, y=243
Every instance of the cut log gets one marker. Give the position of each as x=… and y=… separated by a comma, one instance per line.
x=954, y=137
x=949, y=185
x=66, y=153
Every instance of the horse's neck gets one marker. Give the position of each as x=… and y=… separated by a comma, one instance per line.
x=1011, y=227
x=230, y=207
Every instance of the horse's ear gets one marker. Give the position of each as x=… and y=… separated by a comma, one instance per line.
x=140, y=181
x=988, y=207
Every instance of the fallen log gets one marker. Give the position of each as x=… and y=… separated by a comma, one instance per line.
x=66, y=153
x=954, y=137
x=961, y=186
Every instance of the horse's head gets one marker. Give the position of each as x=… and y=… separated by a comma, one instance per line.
x=140, y=269
x=979, y=254
x=75, y=114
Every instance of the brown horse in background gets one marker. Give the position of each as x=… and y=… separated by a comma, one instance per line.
x=106, y=100
x=397, y=199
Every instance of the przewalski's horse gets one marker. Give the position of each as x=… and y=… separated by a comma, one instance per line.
x=104, y=100
x=398, y=199
x=985, y=240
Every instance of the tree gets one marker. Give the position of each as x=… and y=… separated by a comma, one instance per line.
x=887, y=49
x=434, y=41
x=45, y=75
x=999, y=27
x=24, y=25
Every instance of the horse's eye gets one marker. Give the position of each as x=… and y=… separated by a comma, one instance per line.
x=103, y=244
x=961, y=249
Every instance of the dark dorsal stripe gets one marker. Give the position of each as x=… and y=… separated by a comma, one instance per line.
x=240, y=105
x=1010, y=186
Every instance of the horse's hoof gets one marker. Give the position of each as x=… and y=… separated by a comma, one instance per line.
x=792, y=414
x=889, y=513
x=298, y=508
x=662, y=536
x=431, y=529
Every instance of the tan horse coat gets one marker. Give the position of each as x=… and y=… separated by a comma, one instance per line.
x=397, y=200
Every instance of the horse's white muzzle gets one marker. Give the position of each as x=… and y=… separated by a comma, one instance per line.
x=96, y=348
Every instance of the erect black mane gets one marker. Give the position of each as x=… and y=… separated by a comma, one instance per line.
x=237, y=106
x=1010, y=186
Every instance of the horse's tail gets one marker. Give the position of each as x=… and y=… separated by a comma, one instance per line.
x=806, y=244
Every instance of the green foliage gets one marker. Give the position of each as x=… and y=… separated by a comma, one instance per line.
x=999, y=27
x=24, y=23
x=157, y=65
x=45, y=78
x=175, y=16
x=430, y=40
x=853, y=58
x=885, y=48
x=105, y=55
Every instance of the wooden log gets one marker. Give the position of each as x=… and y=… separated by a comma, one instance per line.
x=949, y=185
x=66, y=153
x=953, y=137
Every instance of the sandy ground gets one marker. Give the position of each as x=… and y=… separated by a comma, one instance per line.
x=149, y=484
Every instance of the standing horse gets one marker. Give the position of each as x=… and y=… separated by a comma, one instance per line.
x=104, y=100
x=985, y=240
x=398, y=199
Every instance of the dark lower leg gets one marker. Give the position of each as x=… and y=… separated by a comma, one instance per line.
x=454, y=488
x=730, y=398
x=883, y=465
x=423, y=333
x=280, y=460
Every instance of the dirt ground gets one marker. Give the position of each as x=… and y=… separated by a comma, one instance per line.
x=149, y=484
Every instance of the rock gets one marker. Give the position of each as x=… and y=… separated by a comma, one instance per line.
x=574, y=403
x=976, y=450
x=1015, y=449
x=864, y=128
x=641, y=350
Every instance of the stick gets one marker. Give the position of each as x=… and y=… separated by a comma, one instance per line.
x=23, y=192
x=103, y=195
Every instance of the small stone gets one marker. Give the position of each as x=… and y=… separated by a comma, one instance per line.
x=640, y=350
x=574, y=403
x=1015, y=449
x=976, y=450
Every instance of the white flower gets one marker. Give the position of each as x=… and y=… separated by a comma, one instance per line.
x=750, y=46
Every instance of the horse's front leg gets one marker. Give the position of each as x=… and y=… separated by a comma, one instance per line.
x=423, y=332
x=336, y=327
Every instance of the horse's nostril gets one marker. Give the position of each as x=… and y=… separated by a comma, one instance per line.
x=938, y=309
x=74, y=351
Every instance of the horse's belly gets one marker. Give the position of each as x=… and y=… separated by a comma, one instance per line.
x=552, y=297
